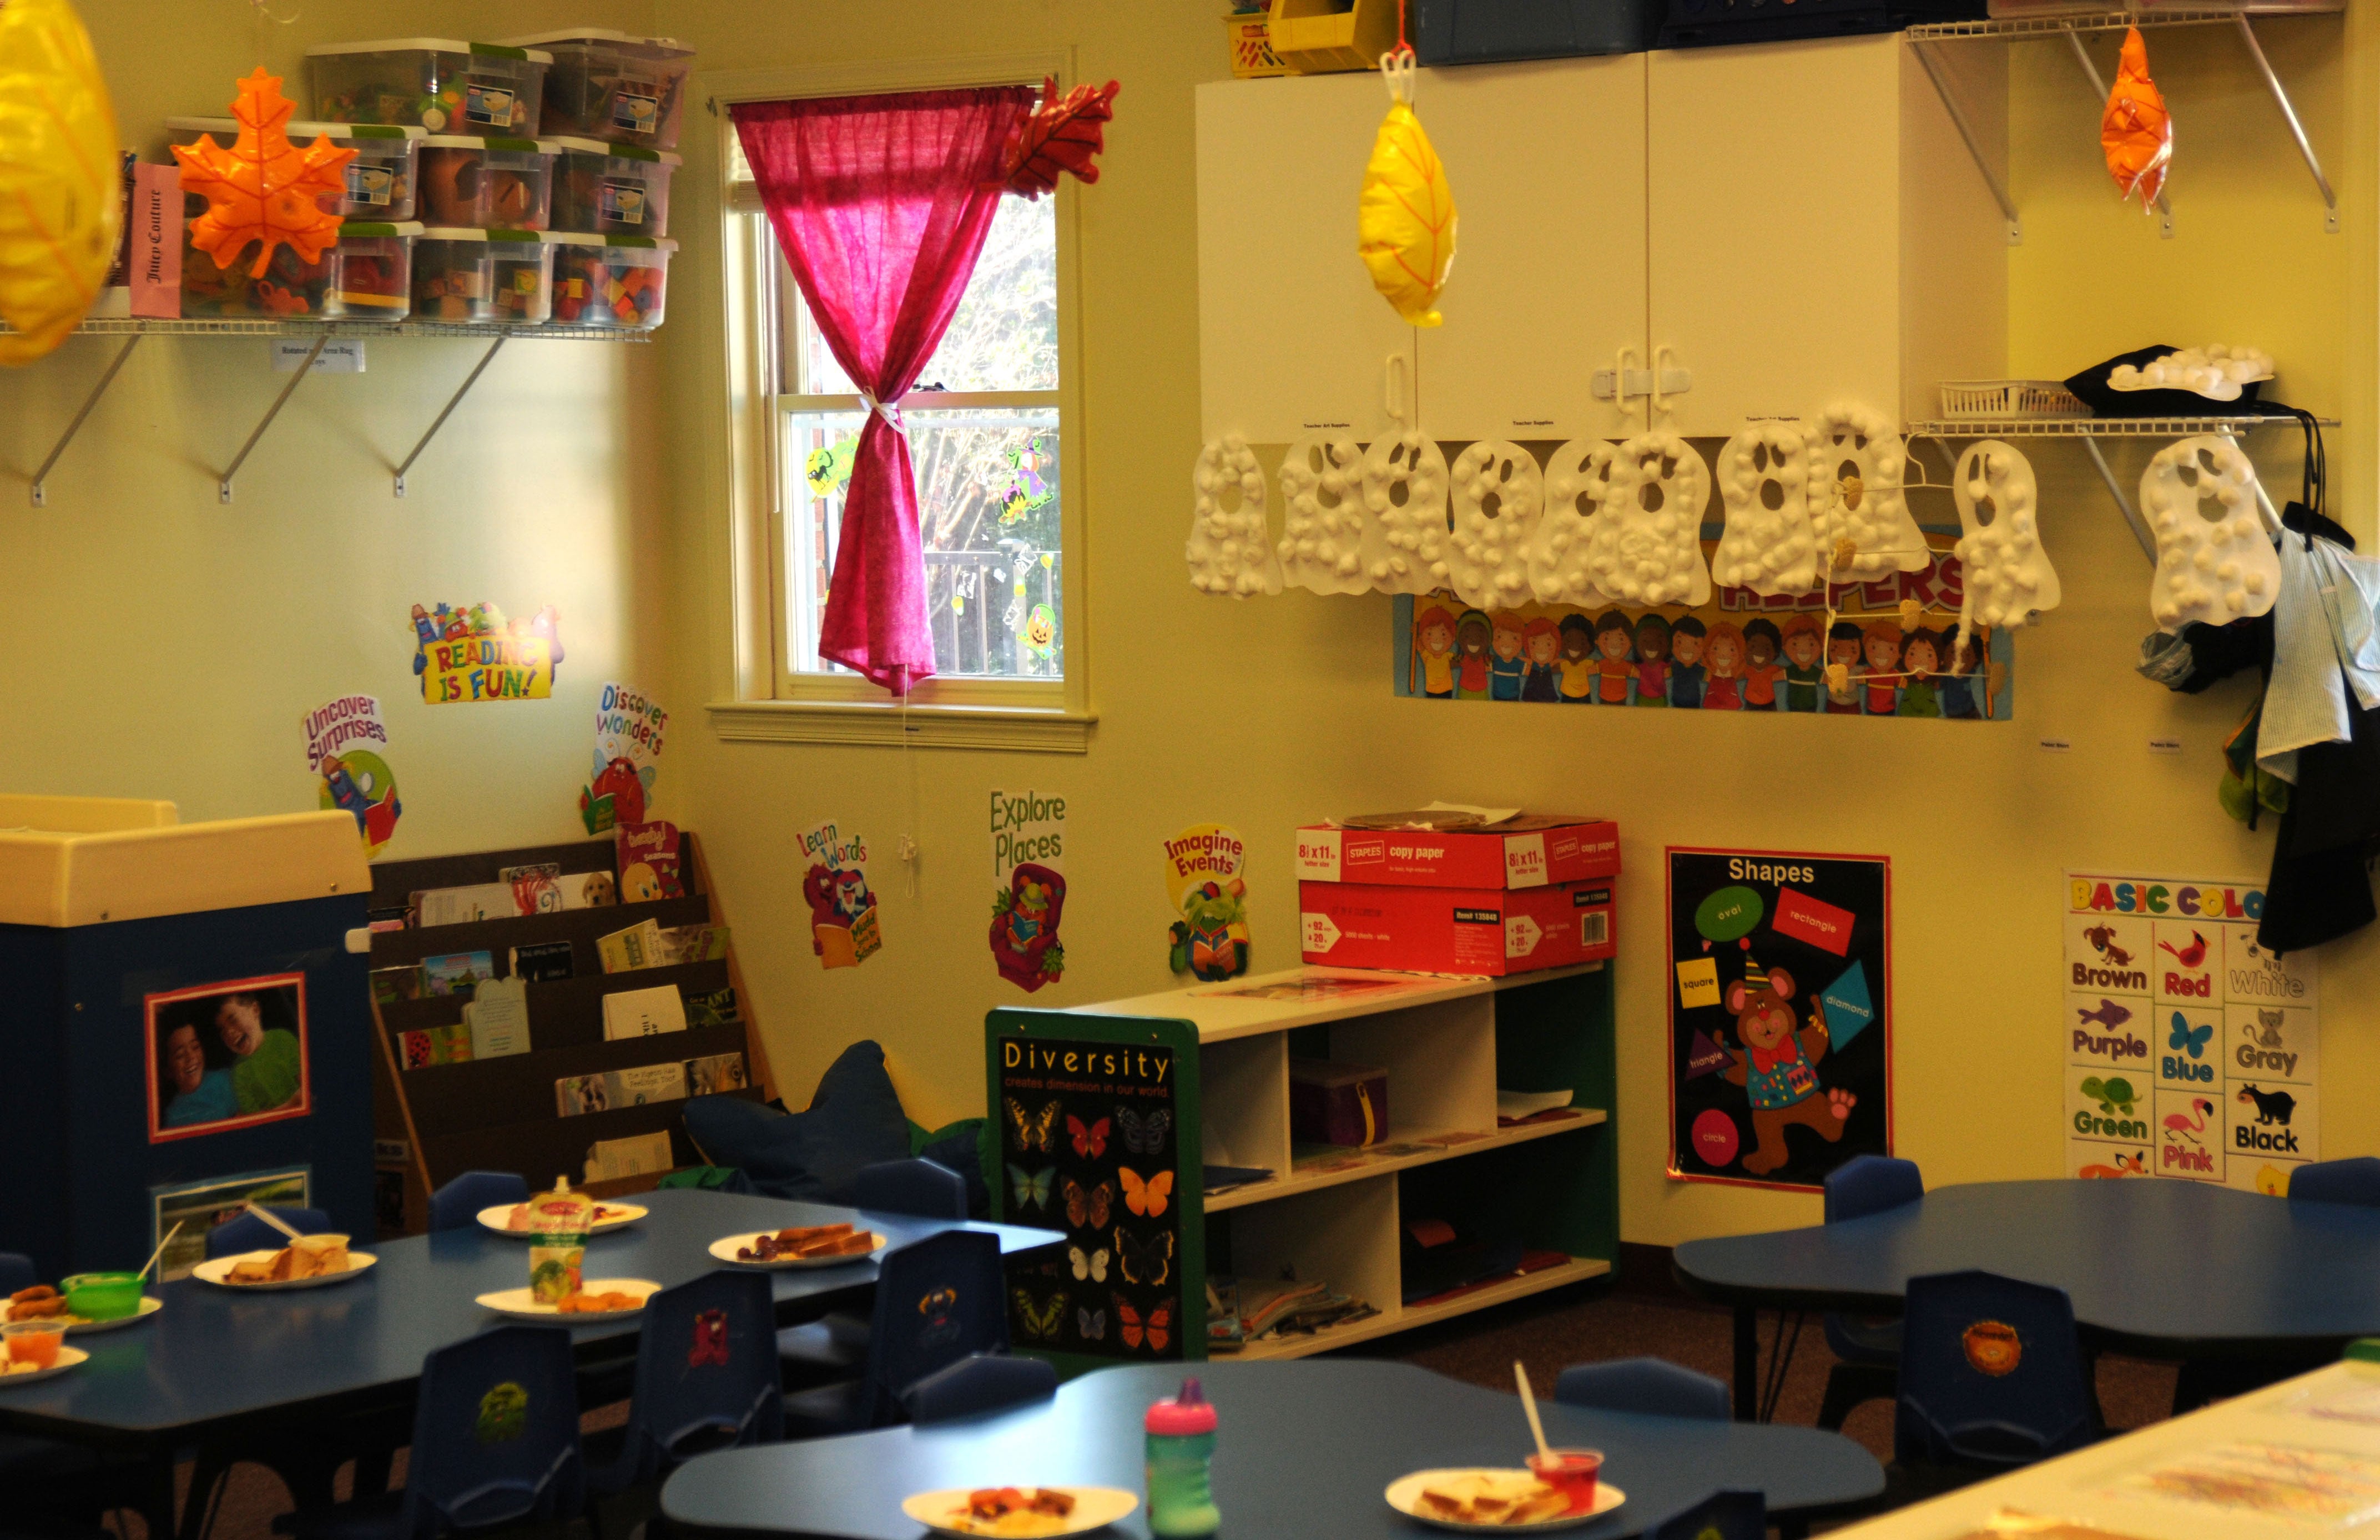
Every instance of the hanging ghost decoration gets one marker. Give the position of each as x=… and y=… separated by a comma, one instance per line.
x=1768, y=545
x=1327, y=544
x=1231, y=543
x=1857, y=511
x=2215, y=561
x=1646, y=544
x=1405, y=492
x=1497, y=494
x=1576, y=481
x=2006, y=578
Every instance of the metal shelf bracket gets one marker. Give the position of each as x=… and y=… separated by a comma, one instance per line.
x=2015, y=226
x=223, y=487
x=448, y=410
x=2100, y=95
x=2290, y=115
x=42, y=477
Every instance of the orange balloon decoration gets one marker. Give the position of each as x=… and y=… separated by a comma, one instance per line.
x=263, y=188
x=2137, y=132
x=1061, y=135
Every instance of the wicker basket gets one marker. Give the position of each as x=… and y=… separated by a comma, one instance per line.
x=2010, y=398
x=1320, y=37
x=1250, y=36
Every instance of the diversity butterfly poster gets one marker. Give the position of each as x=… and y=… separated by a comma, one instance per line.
x=1780, y=1007
x=2189, y=1050
x=1089, y=1142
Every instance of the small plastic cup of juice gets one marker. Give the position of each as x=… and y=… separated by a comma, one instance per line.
x=1571, y=1471
x=34, y=1343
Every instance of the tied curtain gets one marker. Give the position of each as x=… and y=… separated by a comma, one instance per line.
x=881, y=205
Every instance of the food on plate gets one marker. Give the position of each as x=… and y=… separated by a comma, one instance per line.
x=1495, y=1500
x=313, y=1256
x=37, y=1304
x=595, y=1305
x=1014, y=1511
x=518, y=1218
x=32, y=1345
x=830, y=1240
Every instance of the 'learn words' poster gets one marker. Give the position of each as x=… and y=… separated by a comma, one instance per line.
x=2190, y=1050
x=1028, y=860
x=346, y=745
x=1781, y=999
x=842, y=909
x=474, y=655
x=629, y=728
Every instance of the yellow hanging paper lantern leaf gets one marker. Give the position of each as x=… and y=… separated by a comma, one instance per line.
x=262, y=188
x=1405, y=220
x=64, y=193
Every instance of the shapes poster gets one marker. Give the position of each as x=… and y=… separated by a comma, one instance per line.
x=629, y=732
x=1028, y=857
x=1205, y=881
x=1781, y=1005
x=1740, y=651
x=2191, y=1052
x=475, y=655
x=341, y=736
x=843, y=930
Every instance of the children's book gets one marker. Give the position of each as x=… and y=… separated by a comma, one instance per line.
x=458, y=973
x=643, y=1012
x=542, y=962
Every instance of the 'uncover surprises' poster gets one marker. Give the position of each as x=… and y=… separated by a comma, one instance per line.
x=1028, y=854
x=1779, y=1015
x=842, y=910
x=345, y=744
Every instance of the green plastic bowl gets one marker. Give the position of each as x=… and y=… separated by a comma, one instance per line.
x=103, y=1296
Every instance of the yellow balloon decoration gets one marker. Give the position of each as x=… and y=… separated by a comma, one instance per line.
x=1405, y=221
x=61, y=191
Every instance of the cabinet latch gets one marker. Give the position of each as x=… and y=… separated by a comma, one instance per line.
x=1674, y=381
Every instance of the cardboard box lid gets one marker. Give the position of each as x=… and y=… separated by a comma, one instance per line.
x=66, y=861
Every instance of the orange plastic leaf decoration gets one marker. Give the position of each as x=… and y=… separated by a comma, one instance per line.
x=263, y=188
x=2137, y=131
x=1061, y=135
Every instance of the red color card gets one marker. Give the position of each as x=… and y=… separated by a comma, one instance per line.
x=1812, y=920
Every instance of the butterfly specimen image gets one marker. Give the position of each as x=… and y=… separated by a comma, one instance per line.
x=1158, y=1329
x=1091, y=1324
x=1043, y=1320
x=1088, y=1209
x=1143, y=1134
x=1094, y=1267
x=1032, y=1187
x=1038, y=1132
x=1089, y=1142
x=1144, y=1197
x=1144, y=1262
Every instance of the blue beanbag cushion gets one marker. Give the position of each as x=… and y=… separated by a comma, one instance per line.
x=854, y=1120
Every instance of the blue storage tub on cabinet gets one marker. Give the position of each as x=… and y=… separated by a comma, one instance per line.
x=1482, y=31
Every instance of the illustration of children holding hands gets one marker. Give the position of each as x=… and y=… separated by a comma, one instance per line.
x=1843, y=653
x=1507, y=667
x=1617, y=667
x=1686, y=670
x=1958, y=681
x=1761, y=670
x=1540, y=643
x=1577, y=662
x=1652, y=660
x=1804, y=680
x=1471, y=637
x=1726, y=651
x=1436, y=653
x=1883, y=642
x=1920, y=655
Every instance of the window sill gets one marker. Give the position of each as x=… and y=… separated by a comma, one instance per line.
x=1023, y=730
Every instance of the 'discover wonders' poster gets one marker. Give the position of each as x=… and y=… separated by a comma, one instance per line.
x=1779, y=1015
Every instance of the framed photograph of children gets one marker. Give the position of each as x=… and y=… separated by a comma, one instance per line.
x=226, y=1055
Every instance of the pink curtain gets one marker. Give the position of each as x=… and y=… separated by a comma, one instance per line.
x=881, y=205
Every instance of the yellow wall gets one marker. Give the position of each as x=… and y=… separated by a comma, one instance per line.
x=164, y=646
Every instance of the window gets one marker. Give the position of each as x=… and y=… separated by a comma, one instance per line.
x=987, y=424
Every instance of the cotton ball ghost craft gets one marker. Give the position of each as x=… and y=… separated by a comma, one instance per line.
x=2215, y=372
x=1404, y=220
x=65, y=205
x=1404, y=491
x=2006, y=578
x=1769, y=546
x=1857, y=511
x=1645, y=543
x=1327, y=544
x=2215, y=561
x=1497, y=493
x=2136, y=132
x=1231, y=545
x=1576, y=481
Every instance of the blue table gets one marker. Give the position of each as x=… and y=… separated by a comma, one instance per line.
x=2157, y=1269
x=214, y=1361
x=1305, y=1448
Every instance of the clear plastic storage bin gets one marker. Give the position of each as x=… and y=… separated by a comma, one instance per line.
x=483, y=276
x=610, y=280
x=434, y=83
x=612, y=190
x=521, y=275
x=607, y=85
x=473, y=184
x=380, y=180
x=366, y=275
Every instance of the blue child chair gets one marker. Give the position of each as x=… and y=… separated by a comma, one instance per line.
x=1649, y=1385
x=937, y=1301
x=495, y=1441
x=980, y=1382
x=835, y=1347
x=1867, y=1351
x=457, y=1205
x=706, y=1377
x=1992, y=1373
x=2355, y=1180
x=1724, y=1514
x=246, y=1233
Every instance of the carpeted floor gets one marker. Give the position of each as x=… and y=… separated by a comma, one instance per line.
x=1580, y=1325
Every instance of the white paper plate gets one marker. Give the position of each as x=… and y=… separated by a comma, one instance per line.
x=1094, y=1507
x=69, y=1357
x=726, y=1247
x=620, y=1217
x=218, y=1272
x=1404, y=1495
x=518, y=1304
x=150, y=1305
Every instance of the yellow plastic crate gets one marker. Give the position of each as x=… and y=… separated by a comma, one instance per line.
x=1250, y=36
x=1319, y=37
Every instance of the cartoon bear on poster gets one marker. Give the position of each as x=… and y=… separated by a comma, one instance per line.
x=1778, y=1067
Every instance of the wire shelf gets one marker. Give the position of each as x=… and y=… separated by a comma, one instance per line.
x=2094, y=427
x=123, y=326
x=2092, y=21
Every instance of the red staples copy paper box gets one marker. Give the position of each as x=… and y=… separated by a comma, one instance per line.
x=1463, y=931
x=1532, y=851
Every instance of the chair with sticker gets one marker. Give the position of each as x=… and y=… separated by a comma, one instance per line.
x=1867, y=1349
x=1649, y=1385
x=835, y=1347
x=1992, y=1377
x=938, y=1300
x=978, y=1383
x=248, y=1232
x=1724, y=1515
x=495, y=1443
x=2355, y=1180
x=457, y=1205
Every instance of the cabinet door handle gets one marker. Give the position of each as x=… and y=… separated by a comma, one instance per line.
x=1627, y=379
x=1663, y=377
x=1397, y=389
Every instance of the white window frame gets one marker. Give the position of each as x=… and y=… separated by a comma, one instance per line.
x=775, y=701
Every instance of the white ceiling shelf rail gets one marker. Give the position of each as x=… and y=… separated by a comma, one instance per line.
x=2023, y=29
x=2091, y=429
x=133, y=330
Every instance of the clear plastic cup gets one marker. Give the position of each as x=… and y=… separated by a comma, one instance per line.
x=34, y=1343
x=1570, y=1470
